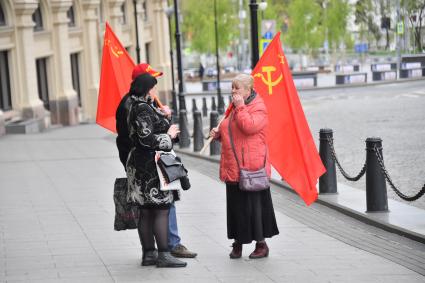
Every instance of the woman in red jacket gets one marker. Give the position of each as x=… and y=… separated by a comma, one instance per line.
x=250, y=215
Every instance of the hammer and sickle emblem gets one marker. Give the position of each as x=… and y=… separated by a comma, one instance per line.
x=116, y=51
x=268, y=70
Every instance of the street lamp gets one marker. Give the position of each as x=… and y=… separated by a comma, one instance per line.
x=182, y=102
x=137, y=31
x=219, y=97
x=253, y=6
x=169, y=12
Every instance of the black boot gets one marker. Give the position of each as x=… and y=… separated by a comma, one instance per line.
x=165, y=259
x=150, y=258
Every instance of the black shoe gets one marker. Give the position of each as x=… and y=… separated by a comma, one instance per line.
x=165, y=259
x=150, y=258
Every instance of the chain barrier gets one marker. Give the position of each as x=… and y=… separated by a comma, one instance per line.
x=390, y=182
x=346, y=176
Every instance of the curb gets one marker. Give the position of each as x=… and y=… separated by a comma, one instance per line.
x=328, y=87
x=340, y=208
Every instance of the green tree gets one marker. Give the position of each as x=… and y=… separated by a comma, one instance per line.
x=304, y=31
x=415, y=10
x=198, y=24
x=366, y=19
x=335, y=21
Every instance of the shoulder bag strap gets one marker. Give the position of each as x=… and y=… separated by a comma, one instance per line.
x=233, y=145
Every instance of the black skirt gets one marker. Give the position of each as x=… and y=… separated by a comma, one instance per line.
x=250, y=215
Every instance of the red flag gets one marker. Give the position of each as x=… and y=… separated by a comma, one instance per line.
x=291, y=146
x=115, y=79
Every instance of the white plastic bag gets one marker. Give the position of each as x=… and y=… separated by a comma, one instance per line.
x=164, y=186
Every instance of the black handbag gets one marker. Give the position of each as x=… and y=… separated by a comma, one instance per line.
x=126, y=213
x=173, y=169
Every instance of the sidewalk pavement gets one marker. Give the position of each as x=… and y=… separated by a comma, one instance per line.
x=401, y=218
x=56, y=225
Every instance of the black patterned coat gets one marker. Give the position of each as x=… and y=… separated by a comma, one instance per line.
x=148, y=132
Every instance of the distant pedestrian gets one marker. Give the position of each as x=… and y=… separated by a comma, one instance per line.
x=250, y=215
x=201, y=71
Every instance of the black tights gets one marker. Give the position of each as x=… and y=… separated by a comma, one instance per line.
x=153, y=223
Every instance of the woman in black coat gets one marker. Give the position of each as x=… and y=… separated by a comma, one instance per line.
x=150, y=131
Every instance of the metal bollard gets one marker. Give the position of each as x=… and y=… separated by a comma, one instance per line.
x=376, y=188
x=220, y=105
x=194, y=107
x=198, y=135
x=204, y=107
x=184, y=139
x=327, y=182
x=215, y=146
x=213, y=105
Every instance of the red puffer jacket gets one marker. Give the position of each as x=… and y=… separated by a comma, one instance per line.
x=248, y=124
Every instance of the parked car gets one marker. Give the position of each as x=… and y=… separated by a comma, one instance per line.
x=211, y=72
x=191, y=73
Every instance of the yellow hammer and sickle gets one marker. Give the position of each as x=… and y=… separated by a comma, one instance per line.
x=117, y=53
x=268, y=70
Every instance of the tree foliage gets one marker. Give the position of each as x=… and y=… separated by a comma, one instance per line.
x=198, y=24
x=366, y=19
x=415, y=10
x=304, y=31
x=335, y=21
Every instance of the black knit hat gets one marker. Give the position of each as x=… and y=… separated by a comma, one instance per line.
x=142, y=84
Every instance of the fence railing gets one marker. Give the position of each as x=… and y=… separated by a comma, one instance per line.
x=376, y=173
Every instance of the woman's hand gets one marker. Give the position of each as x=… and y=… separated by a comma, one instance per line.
x=237, y=100
x=173, y=131
x=214, y=133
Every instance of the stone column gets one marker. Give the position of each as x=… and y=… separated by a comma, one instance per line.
x=115, y=16
x=26, y=90
x=64, y=100
x=161, y=49
x=90, y=63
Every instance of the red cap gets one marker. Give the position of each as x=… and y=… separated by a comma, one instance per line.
x=144, y=68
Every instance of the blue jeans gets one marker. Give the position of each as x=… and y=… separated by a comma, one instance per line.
x=173, y=232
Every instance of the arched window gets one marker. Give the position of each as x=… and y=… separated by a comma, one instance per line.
x=2, y=17
x=71, y=16
x=37, y=19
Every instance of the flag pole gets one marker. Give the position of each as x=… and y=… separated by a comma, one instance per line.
x=211, y=138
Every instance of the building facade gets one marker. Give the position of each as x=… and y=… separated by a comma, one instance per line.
x=51, y=50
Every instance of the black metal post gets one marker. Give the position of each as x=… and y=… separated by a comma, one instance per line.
x=376, y=188
x=327, y=182
x=217, y=56
x=194, y=107
x=182, y=102
x=137, y=31
x=198, y=135
x=184, y=138
x=204, y=107
x=213, y=105
x=253, y=6
x=215, y=146
x=173, y=90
